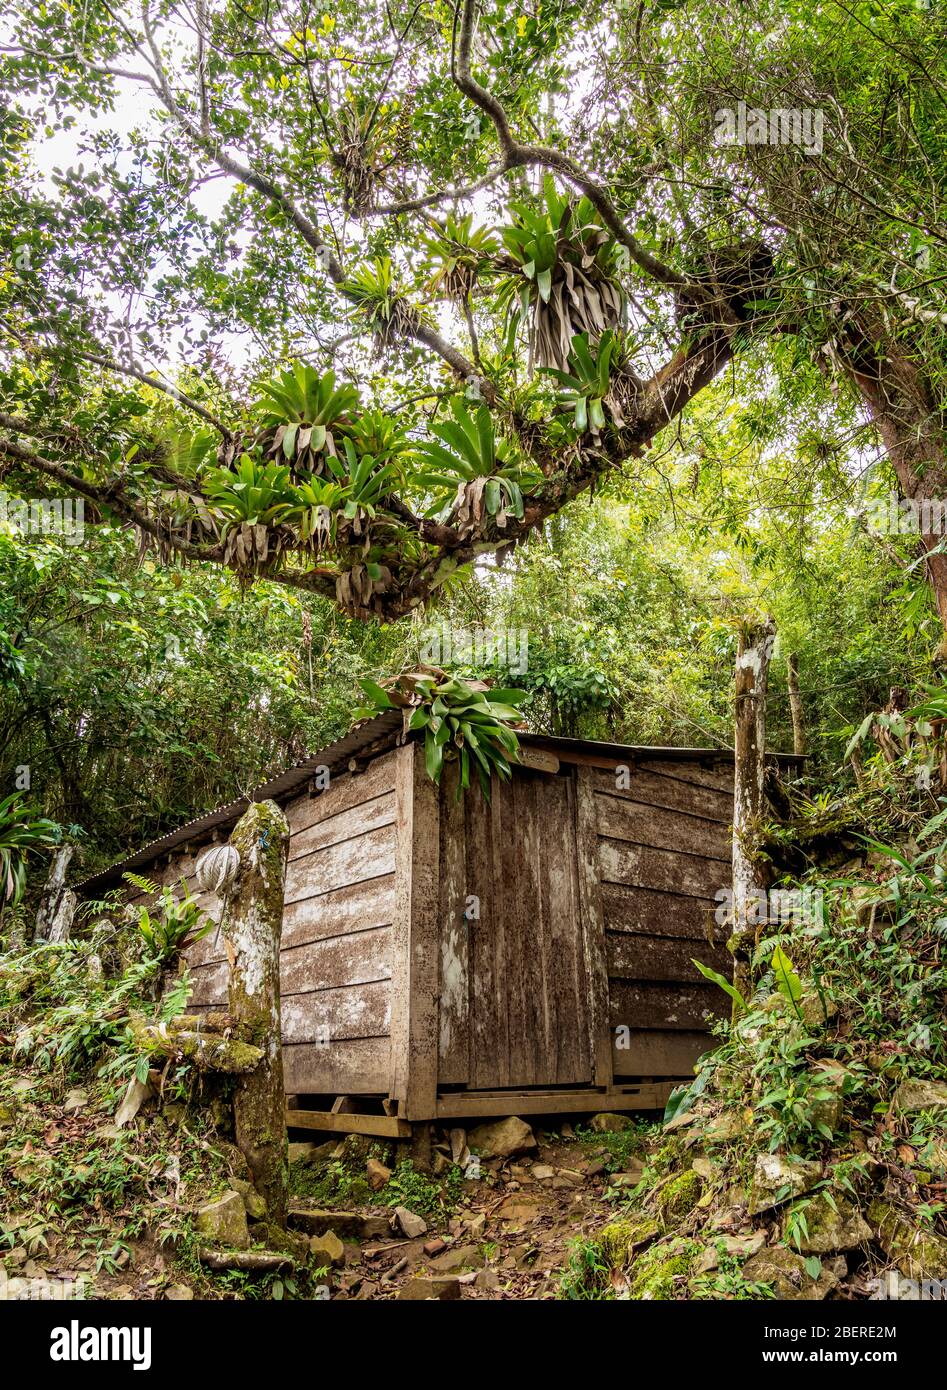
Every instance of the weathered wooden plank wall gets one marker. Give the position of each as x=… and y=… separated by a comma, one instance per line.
x=663, y=852
x=336, y=964
x=513, y=988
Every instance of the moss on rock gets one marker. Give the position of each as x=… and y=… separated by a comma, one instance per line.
x=677, y=1198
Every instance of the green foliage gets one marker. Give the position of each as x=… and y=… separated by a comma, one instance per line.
x=175, y=922
x=470, y=722
x=22, y=832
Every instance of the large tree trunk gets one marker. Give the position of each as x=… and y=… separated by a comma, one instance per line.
x=58, y=904
x=914, y=432
x=754, y=650
x=251, y=926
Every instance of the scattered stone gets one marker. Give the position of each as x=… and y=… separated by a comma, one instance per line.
x=460, y=1257
x=487, y=1279
x=299, y=1153
x=677, y=1198
x=609, y=1122
x=315, y=1221
x=417, y=1290
x=542, y=1172
x=434, y=1247
x=409, y=1224
x=503, y=1138
x=75, y=1100
x=225, y=1221
x=441, y=1164
x=917, y=1254
x=841, y=1227
x=475, y=1225
x=378, y=1175
x=776, y=1179
x=519, y=1208
x=179, y=1293
x=567, y=1131
x=736, y=1247
x=723, y=1129
x=631, y=1177
x=786, y=1272
x=327, y=1249
x=703, y=1167
x=920, y=1094
x=458, y=1144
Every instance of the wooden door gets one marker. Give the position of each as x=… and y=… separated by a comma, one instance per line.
x=514, y=1005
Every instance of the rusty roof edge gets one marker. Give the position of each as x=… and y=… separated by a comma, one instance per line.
x=382, y=730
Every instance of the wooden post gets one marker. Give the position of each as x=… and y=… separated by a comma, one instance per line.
x=754, y=650
x=251, y=924
x=795, y=704
x=58, y=904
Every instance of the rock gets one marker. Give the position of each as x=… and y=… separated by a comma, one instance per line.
x=487, y=1279
x=736, y=1247
x=417, y=1290
x=378, y=1175
x=458, y=1143
x=918, y=1254
x=253, y=1201
x=519, y=1208
x=776, y=1179
x=830, y=1229
x=630, y=1177
x=434, y=1247
x=459, y=1257
x=327, y=1249
x=410, y=1224
x=315, y=1221
x=786, y=1272
x=677, y=1198
x=542, y=1172
x=298, y=1153
x=830, y=1077
x=474, y=1225
x=179, y=1293
x=7, y=1115
x=75, y=1100
x=920, y=1094
x=441, y=1164
x=723, y=1129
x=703, y=1167
x=609, y=1122
x=503, y=1138
x=225, y=1221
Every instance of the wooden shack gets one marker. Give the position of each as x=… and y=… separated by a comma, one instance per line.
x=447, y=956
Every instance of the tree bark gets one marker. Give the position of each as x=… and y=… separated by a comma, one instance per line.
x=795, y=704
x=58, y=905
x=754, y=650
x=251, y=926
x=913, y=430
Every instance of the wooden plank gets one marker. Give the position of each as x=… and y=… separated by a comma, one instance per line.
x=636, y=1005
x=642, y=1096
x=666, y=870
x=670, y=793
x=488, y=1040
x=537, y=759
x=332, y=1015
x=415, y=943
x=654, y=825
x=569, y=1029
x=661, y=958
x=354, y=907
x=386, y=1126
x=355, y=959
x=660, y=914
x=454, y=986
x=696, y=773
x=592, y=926
x=660, y=1053
x=364, y=857
x=345, y=790
x=357, y=1067
x=367, y=815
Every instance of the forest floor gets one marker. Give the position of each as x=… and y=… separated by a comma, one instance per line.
x=508, y=1235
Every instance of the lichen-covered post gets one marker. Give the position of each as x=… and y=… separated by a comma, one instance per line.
x=754, y=650
x=251, y=926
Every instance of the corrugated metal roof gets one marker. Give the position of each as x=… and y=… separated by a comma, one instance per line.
x=374, y=735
